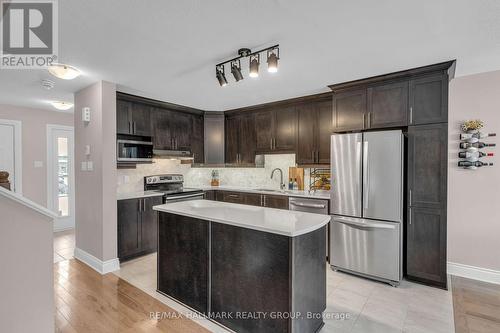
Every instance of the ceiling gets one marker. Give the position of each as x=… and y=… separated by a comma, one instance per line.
x=167, y=50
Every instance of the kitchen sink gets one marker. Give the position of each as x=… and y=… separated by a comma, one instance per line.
x=272, y=190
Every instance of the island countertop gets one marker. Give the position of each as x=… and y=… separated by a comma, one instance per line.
x=276, y=221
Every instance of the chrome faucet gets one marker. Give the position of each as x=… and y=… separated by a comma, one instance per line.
x=282, y=185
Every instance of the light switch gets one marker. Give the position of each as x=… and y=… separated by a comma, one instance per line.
x=87, y=150
x=90, y=166
x=38, y=164
x=84, y=166
x=86, y=114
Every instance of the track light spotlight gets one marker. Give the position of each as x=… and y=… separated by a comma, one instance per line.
x=236, y=70
x=221, y=75
x=272, y=60
x=254, y=65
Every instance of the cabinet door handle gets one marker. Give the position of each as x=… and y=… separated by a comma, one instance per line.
x=312, y=155
x=364, y=120
x=409, y=199
x=271, y=144
x=265, y=201
x=411, y=114
x=140, y=205
x=134, y=127
x=130, y=127
x=143, y=205
x=317, y=156
x=409, y=216
x=369, y=120
x=262, y=200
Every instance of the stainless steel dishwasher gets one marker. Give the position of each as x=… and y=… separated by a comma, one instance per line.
x=317, y=206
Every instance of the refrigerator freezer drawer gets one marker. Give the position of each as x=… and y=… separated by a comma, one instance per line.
x=365, y=246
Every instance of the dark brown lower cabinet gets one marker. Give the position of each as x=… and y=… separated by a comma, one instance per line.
x=183, y=260
x=426, y=246
x=137, y=227
x=275, y=201
x=252, y=199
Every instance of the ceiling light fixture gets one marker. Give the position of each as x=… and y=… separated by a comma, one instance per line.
x=65, y=72
x=236, y=70
x=272, y=60
x=273, y=55
x=254, y=65
x=62, y=105
x=221, y=75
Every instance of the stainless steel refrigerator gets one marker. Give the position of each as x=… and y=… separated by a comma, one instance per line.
x=367, y=204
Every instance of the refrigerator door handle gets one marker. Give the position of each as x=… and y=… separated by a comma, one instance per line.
x=366, y=175
x=367, y=224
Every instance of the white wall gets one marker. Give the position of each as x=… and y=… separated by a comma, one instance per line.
x=34, y=146
x=474, y=196
x=95, y=191
x=26, y=259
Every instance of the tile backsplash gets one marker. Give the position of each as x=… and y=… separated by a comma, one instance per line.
x=132, y=180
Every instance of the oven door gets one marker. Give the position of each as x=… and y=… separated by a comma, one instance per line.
x=134, y=151
x=184, y=197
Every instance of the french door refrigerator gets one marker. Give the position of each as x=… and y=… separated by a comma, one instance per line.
x=367, y=204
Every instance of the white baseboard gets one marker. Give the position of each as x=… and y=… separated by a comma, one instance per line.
x=475, y=273
x=102, y=267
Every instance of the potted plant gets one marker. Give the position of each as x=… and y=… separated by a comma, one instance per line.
x=472, y=126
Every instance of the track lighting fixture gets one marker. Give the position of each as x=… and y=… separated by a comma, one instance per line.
x=254, y=65
x=272, y=60
x=273, y=55
x=236, y=70
x=221, y=75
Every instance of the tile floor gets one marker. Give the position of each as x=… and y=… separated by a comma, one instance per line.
x=64, y=245
x=353, y=304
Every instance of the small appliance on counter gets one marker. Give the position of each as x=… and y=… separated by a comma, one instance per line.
x=4, y=180
x=172, y=187
x=215, y=178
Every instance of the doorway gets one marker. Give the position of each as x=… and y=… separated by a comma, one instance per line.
x=10, y=152
x=60, y=175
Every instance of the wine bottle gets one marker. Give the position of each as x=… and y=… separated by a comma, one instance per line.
x=465, y=136
x=465, y=145
x=473, y=164
x=476, y=154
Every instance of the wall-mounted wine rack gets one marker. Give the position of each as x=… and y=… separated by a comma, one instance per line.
x=470, y=148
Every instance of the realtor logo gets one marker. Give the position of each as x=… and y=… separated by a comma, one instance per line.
x=28, y=34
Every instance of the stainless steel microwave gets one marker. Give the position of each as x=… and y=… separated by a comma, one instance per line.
x=134, y=151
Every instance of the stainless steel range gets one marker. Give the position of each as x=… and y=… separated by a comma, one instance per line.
x=173, y=188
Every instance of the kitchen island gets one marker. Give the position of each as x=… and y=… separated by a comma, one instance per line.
x=251, y=269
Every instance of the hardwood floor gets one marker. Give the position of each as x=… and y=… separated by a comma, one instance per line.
x=476, y=306
x=89, y=302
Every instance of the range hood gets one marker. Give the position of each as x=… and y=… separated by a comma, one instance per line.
x=173, y=154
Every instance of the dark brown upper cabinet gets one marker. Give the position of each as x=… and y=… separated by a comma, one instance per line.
x=387, y=105
x=429, y=100
x=276, y=129
x=349, y=110
x=181, y=128
x=133, y=118
x=240, y=131
x=198, y=139
x=161, y=121
x=313, y=133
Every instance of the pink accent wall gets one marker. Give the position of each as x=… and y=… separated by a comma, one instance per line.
x=474, y=196
x=34, y=145
x=95, y=191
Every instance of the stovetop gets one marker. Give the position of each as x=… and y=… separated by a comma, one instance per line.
x=169, y=184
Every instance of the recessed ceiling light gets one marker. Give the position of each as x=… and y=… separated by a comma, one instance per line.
x=62, y=105
x=65, y=72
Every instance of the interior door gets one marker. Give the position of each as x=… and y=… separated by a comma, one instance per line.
x=61, y=197
x=7, y=153
x=346, y=174
x=383, y=175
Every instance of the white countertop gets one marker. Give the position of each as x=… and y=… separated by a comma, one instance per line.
x=276, y=221
x=136, y=195
x=320, y=194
